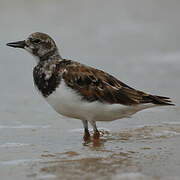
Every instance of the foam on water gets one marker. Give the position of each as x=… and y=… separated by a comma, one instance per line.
x=7, y=145
x=47, y=176
x=19, y=161
x=131, y=176
x=24, y=127
x=90, y=129
x=166, y=133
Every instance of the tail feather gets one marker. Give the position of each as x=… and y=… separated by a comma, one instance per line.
x=163, y=97
x=160, y=100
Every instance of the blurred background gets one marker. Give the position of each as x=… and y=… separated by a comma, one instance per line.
x=137, y=41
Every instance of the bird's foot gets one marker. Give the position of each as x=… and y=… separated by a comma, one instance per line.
x=96, y=135
x=87, y=136
x=96, y=139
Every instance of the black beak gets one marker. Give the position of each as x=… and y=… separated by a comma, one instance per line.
x=18, y=44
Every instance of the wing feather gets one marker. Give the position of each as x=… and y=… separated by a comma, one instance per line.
x=96, y=85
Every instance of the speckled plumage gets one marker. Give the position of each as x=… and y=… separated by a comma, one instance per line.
x=79, y=91
x=46, y=78
x=90, y=83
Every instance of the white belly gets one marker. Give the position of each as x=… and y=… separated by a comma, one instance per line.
x=68, y=103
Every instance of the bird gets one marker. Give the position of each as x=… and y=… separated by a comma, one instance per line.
x=82, y=92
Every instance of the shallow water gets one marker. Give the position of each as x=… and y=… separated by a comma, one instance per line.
x=137, y=42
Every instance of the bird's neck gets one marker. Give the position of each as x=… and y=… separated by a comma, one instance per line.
x=54, y=54
x=50, y=56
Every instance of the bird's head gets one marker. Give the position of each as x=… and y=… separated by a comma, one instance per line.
x=38, y=44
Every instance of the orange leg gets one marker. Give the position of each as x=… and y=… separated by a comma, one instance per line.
x=96, y=135
x=96, y=139
x=86, y=136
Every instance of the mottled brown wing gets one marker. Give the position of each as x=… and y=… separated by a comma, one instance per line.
x=96, y=85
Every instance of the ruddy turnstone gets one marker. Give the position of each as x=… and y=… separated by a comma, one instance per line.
x=79, y=91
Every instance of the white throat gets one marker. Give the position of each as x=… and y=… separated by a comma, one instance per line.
x=30, y=52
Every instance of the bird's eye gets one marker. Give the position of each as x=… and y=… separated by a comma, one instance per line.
x=36, y=41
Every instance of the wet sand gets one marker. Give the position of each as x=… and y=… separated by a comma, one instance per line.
x=146, y=152
x=137, y=42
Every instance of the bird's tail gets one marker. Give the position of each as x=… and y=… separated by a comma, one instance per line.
x=161, y=100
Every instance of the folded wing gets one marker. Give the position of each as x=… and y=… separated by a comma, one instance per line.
x=96, y=85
